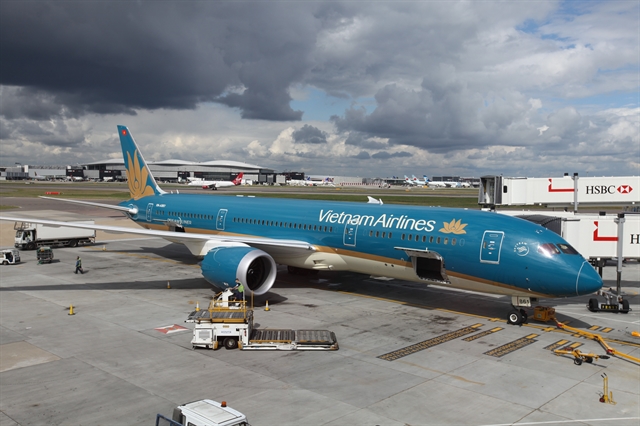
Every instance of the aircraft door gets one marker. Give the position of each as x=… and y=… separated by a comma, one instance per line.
x=491, y=246
x=149, y=212
x=222, y=215
x=349, y=237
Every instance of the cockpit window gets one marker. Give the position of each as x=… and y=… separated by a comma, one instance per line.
x=548, y=249
x=567, y=249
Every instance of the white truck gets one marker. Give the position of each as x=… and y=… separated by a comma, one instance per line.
x=229, y=323
x=205, y=412
x=30, y=236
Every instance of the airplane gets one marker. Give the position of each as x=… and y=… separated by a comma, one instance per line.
x=408, y=181
x=420, y=182
x=302, y=182
x=243, y=238
x=215, y=184
x=436, y=184
x=36, y=176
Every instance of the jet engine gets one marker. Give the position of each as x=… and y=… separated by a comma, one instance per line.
x=255, y=269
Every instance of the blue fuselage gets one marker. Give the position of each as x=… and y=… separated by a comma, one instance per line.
x=477, y=250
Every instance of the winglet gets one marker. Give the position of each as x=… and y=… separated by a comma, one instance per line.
x=141, y=181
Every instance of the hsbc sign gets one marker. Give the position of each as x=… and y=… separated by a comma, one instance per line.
x=607, y=189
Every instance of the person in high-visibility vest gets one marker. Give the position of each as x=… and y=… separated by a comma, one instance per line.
x=239, y=289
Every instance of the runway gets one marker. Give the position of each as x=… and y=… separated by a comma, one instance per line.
x=409, y=354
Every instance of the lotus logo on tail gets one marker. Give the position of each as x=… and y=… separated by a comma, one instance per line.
x=454, y=227
x=137, y=177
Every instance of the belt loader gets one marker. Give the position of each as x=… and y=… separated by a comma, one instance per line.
x=229, y=323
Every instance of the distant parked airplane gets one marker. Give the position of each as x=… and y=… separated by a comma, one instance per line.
x=215, y=184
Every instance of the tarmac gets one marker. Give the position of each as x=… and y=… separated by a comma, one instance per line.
x=409, y=354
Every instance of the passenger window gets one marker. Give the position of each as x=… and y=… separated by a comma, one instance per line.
x=390, y=235
x=453, y=241
x=438, y=240
x=431, y=239
x=371, y=233
x=377, y=234
x=410, y=237
x=446, y=241
x=402, y=237
x=383, y=234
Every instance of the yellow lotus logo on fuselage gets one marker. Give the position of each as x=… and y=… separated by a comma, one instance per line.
x=454, y=227
x=137, y=177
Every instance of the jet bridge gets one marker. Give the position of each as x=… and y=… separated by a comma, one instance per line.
x=566, y=191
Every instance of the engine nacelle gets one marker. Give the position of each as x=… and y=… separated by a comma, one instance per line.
x=255, y=269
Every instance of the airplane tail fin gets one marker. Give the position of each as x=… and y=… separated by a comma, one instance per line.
x=141, y=181
x=238, y=179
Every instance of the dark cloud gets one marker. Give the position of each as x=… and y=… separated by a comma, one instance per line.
x=383, y=155
x=309, y=134
x=115, y=57
x=358, y=139
x=362, y=155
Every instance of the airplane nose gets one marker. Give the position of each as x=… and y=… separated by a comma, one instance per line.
x=588, y=280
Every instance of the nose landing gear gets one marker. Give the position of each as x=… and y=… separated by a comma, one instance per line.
x=517, y=316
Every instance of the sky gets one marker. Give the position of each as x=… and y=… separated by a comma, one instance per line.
x=351, y=88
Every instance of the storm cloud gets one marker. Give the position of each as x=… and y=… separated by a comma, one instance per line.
x=449, y=87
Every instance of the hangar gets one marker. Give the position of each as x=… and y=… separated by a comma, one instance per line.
x=181, y=170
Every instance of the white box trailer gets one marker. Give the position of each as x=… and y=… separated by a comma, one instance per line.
x=563, y=191
x=595, y=236
x=30, y=236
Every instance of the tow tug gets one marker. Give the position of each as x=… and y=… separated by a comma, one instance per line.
x=615, y=302
x=229, y=323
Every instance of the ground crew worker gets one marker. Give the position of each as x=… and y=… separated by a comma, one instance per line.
x=79, y=265
x=239, y=290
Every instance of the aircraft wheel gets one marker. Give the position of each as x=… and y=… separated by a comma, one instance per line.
x=577, y=361
x=593, y=305
x=625, y=306
x=230, y=343
x=525, y=316
x=515, y=318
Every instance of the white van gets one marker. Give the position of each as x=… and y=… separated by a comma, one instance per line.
x=9, y=256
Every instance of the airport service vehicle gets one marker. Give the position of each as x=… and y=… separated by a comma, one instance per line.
x=33, y=235
x=229, y=323
x=44, y=255
x=205, y=412
x=9, y=257
x=243, y=237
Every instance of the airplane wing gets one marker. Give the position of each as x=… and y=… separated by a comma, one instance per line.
x=131, y=210
x=198, y=244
